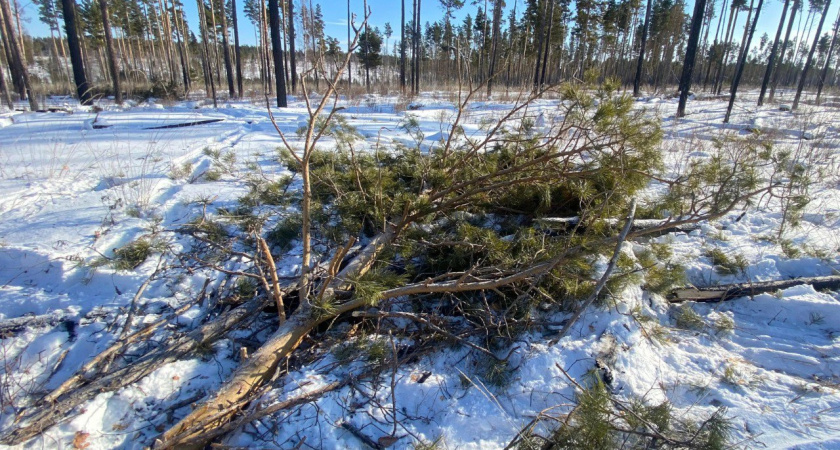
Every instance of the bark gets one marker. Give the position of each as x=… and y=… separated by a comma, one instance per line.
x=547, y=52
x=10, y=327
x=828, y=59
x=402, y=47
x=277, y=52
x=292, y=63
x=109, y=50
x=236, y=50
x=16, y=53
x=645, y=30
x=691, y=54
x=7, y=96
x=804, y=76
x=494, y=44
x=772, y=60
x=610, y=267
x=732, y=291
x=778, y=69
x=208, y=73
x=226, y=52
x=742, y=61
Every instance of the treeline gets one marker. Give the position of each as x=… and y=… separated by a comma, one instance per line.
x=114, y=47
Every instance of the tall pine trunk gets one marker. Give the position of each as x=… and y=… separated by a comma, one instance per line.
x=828, y=59
x=775, y=77
x=804, y=76
x=645, y=30
x=742, y=61
x=16, y=53
x=277, y=52
x=292, y=62
x=691, y=54
x=109, y=50
x=237, y=53
x=494, y=44
x=402, y=47
x=79, y=76
x=772, y=60
x=226, y=52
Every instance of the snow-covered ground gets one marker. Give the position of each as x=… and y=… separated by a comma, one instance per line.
x=72, y=191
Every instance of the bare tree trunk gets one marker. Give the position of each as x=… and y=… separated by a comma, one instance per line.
x=5, y=90
x=402, y=46
x=419, y=54
x=292, y=57
x=109, y=50
x=691, y=54
x=16, y=53
x=547, y=50
x=777, y=71
x=742, y=61
x=208, y=74
x=772, y=60
x=226, y=52
x=803, y=77
x=277, y=52
x=236, y=51
x=494, y=45
x=828, y=59
x=637, y=81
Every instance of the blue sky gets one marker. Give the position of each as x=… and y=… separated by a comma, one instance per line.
x=382, y=11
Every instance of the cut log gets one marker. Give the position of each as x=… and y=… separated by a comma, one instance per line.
x=567, y=223
x=195, y=430
x=730, y=291
x=10, y=327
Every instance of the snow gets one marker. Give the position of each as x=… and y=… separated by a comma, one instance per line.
x=71, y=193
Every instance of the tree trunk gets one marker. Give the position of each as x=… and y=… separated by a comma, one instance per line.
x=742, y=61
x=292, y=62
x=494, y=44
x=226, y=52
x=349, y=50
x=367, y=47
x=547, y=51
x=7, y=96
x=419, y=54
x=803, y=77
x=109, y=50
x=16, y=53
x=637, y=81
x=691, y=54
x=236, y=50
x=772, y=60
x=14, y=71
x=208, y=73
x=277, y=52
x=540, y=41
x=402, y=47
x=775, y=77
x=828, y=59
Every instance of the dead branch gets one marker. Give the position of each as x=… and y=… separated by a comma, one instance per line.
x=10, y=327
x=731, y=291
x=603, y=281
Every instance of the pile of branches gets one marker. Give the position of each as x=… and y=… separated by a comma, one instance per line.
x=451, y=230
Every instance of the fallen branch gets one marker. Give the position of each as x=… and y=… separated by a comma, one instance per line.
x=610, y=267
x=566, y=223
x=186, y=124
x=84, y=386
x=10, y=327
x=731, y=291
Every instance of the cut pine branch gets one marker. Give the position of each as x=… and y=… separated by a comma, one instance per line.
x=732, y=291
